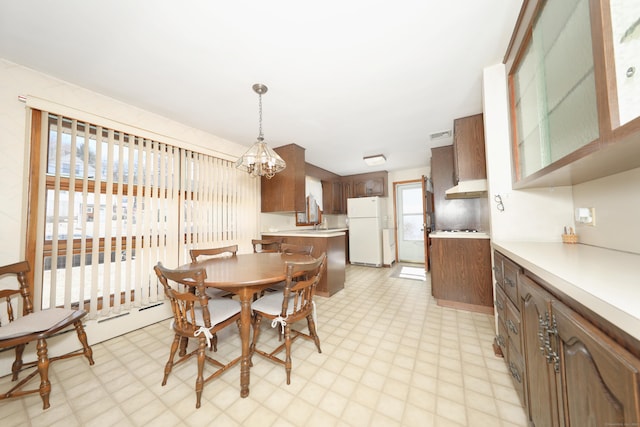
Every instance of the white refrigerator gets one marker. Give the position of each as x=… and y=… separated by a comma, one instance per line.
x=366, y=219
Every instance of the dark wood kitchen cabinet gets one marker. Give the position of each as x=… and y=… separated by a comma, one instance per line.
x=575, y=374
x=469, y=160
x=461, y=273
x=367, y=184
x=509, y=336
x=334, y=276
x=542, y=404
x=599, y=380
x=453, y=213
x=573, y=119
x=285, y=192
x=333, y=201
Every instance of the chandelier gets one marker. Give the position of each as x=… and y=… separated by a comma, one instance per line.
x=260, y=160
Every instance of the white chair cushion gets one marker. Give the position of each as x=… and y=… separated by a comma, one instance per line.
x=214, y=292
x=272, y=304
x=34, y=322
x=219, y=309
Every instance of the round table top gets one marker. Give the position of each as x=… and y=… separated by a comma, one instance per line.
x=246, y=269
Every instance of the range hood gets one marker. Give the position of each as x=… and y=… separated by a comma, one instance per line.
x=471, y=189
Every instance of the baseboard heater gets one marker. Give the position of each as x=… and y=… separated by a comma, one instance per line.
x=113, y=317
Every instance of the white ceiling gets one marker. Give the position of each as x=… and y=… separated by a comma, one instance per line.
x=346, y=79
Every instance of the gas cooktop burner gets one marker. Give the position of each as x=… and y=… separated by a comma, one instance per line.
x=461, y=230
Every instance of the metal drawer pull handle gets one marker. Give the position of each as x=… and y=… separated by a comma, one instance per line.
x=514, y=372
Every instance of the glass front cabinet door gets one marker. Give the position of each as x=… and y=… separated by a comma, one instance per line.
x=625, y=23
x=574, y=81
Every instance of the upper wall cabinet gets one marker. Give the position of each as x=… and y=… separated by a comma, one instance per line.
x=625, y=22
x=468, y=144
x=574, y=92
x=367, y=184
x=332, y=199
x=285, y=192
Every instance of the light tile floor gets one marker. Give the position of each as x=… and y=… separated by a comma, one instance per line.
x=390, y=357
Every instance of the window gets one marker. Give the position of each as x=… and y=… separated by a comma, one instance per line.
x=114, y=204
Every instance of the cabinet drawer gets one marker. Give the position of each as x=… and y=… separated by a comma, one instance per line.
x=502, y=339
x=498, y=259
x=501, y=304
x=510, y=280
x=515, y=365
x=513, y=325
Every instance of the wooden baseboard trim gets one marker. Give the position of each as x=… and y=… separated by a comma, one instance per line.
x=464, y=306
x=497, y=350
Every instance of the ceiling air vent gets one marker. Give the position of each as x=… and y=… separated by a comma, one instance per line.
x=440, y=135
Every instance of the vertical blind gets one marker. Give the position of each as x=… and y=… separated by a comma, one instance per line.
x=115, y=204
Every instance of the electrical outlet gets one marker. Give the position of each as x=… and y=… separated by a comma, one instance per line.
x=586, y=216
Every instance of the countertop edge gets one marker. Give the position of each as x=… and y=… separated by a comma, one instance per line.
x=306, y=233
x=586, y=274
x=461, y=235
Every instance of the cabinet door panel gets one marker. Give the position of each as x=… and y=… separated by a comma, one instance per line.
x=461, y=271
x=600, y=379
x=510, y=279
x=541, y=378
x=469, y=155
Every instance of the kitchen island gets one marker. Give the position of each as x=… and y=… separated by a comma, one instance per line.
x=331, y=241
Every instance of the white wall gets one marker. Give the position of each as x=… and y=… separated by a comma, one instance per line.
x=17, y=80
x=616, y=200
x=529, y=215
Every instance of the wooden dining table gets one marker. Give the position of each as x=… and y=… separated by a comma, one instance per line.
x=245, y=275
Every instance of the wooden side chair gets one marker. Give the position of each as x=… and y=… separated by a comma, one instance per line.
x=289, y=248
x=197, y=317
x=200, y=254
x=267, y=245
x=35, y=326
x=293, y=304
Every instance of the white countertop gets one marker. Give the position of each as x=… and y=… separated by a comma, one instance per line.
x=331, y=232
x=458, y=235
x=604, y=280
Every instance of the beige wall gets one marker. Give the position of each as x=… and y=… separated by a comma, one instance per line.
x=16, y=80
x=616, y=200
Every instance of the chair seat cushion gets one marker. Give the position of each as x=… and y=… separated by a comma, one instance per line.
x=219, y=309
x=271, y=304
x=34, y=322
x=215, y=293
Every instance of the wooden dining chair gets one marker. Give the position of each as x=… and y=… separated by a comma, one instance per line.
x=200, y=254
x=195, y=317
x=290, y=248
x=267, y=245
x=35, y=326
x=294, y=303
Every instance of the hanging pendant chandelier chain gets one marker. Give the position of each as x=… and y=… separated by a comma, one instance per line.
x=260, y=135
x=260, y=160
